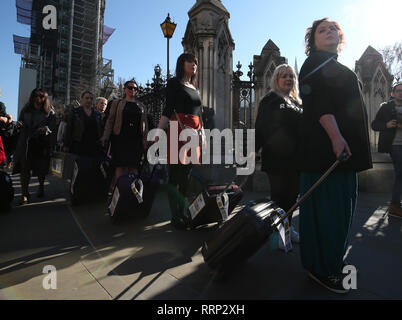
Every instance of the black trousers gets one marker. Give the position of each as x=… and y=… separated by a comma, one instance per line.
x=284, y=189
x=177, y=187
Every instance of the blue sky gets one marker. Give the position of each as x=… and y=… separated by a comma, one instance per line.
x=138, y=44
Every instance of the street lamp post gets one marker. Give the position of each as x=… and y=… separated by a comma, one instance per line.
x=168, y=28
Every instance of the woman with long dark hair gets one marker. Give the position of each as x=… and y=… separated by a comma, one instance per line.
x=334, y=122
x=183, y=110
x=37, y=121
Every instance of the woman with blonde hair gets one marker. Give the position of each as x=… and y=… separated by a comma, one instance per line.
x=277, y=133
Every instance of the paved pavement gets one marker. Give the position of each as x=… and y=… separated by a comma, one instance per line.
x=148, y=259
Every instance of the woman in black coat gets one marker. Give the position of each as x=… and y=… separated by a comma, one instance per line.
x=37, y=121
x=334, y=121
x=277, y=133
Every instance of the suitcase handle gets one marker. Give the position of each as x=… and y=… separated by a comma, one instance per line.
x=342, y=156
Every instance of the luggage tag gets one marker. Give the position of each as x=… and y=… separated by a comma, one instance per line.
x=136, y=192
x=75, y=173
x=284, y=229
x=114, y=201
x=197, y=205
x=223, y=205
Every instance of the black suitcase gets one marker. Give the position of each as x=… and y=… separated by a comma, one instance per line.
x=133, y=195
x=214, y=204
x=240, y=237
x=208, y=202
x=6, y=191
x=88, y=182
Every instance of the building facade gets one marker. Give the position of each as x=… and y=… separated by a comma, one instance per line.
x=208, y=37
x=376, y=85
x=68, y=59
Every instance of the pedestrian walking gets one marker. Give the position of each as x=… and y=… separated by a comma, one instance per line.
x=388, y=121
x=101, y=104
x=126, y=128
x=37, y=121
x=84, y=129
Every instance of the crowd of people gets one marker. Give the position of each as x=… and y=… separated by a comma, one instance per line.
x=302, y=127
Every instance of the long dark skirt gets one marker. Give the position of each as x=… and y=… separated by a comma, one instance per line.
x=325, y=220
x=38, y=158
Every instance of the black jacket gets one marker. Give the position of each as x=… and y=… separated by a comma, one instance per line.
x=277, y=130
x=76, y=126
x=386, y=113
x=328, y=87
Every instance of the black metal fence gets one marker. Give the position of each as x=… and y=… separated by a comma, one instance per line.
x=243, y=98
x=153, y=95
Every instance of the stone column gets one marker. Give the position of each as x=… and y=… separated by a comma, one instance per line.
x=208, y=37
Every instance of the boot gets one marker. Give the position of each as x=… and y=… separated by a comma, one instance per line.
x=395, y=210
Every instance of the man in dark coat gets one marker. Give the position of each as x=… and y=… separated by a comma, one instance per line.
x=388, y=122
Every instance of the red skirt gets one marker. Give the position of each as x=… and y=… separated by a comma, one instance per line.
x=2, y=153
x=174, y=145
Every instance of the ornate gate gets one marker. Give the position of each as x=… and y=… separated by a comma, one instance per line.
x=243, y=98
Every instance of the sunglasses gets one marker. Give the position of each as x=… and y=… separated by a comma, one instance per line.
x=132, y=88
x=40, y=95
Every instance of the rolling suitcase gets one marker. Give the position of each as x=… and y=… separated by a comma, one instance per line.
x=133, y=195
x=240, y=237
x=214, y=204
x=88, y=181
x=211, y=203
x=6, y=191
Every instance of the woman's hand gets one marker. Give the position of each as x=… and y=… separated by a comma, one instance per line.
x=392, y=124
x=339, y=145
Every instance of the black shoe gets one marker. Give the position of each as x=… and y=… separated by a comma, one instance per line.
x=332, y=283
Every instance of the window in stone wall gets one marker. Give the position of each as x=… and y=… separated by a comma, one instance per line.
x=268, y=76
